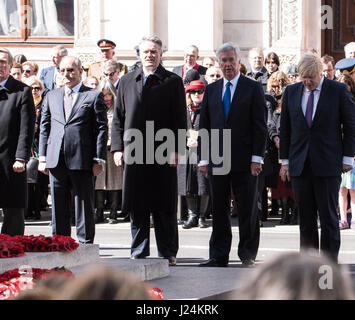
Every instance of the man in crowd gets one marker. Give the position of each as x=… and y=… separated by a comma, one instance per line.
x=49, y=75
x=73, y=146
x=317, y=144
x=150, y=95
x=16, y=71
x=349, y=50
x=112, y=70
x=191, y=56
x=107, y=52
x=328, y=67
x=213, y=74
x=234, y=103
x=17, y=114
x=29, y=69
x=258, y=71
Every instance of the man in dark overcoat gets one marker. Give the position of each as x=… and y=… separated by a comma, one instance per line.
x=149, y=97
x=17, y=120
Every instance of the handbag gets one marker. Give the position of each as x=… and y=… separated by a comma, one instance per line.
x=32, y=169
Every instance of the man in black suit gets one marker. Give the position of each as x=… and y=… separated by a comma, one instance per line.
x=191, y=56
x=72, y=147
x=235, y=104
x=151, y=97
x=258, y=70
x=112, y=70
x=317, y=144
x=17, y=121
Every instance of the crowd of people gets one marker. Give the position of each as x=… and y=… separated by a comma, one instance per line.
x=82, y=117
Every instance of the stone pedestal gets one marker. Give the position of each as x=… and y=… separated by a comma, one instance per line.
x=85, y=254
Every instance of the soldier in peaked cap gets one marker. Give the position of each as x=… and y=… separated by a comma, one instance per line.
x=107, y=52
x=346, y=66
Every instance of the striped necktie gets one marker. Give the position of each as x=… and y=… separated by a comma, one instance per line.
x=68, y=103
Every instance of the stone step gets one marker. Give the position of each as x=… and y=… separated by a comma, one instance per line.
x=142, y=269
x=84, y=254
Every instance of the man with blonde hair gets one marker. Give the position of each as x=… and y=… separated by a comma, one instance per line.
x=349, y=50
x=317, y=144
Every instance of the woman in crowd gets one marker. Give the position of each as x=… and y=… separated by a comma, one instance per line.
x=191, y=182
x=37, y=189
x=281, y=192
x=272, y=62
x=109, y=183
x=348, y=178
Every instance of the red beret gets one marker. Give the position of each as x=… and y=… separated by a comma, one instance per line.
x=195, y=85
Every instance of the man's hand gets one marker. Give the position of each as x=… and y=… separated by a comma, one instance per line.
x=97, y=169
x=277, y=142
x=174, y=159
x=284, y=173
x=204, y=171
x=255, y=168
x=19, y=166
x=118, y=158
x=191, y=143
x=42, y=168
x=347, y=168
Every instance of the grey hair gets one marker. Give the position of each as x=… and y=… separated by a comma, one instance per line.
x=62, y=50
x=106, y=84
x=112, y=64
x=10, y=58
x=155, y=39
x=77, y=61
x=229, y=46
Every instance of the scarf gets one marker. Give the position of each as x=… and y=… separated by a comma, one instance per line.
x=194, y=110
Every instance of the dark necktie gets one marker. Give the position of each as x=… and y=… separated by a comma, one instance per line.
x=309, y=110
x=227, y=99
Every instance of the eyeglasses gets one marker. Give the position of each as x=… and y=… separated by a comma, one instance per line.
x=109, y=74
x=275, y=87
x=67, y=70
x=215, y=75
x=196, y=91
x=36, y=88
x=27, y=71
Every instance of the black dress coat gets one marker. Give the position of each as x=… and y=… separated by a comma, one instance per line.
x=190, y=179
x=161, y=100
x=17, y=122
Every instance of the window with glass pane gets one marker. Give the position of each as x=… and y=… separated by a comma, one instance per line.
x=28, y=19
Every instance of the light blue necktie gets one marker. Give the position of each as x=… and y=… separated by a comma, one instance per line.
x=227, y=98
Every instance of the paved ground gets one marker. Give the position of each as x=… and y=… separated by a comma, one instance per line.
x=186, y=280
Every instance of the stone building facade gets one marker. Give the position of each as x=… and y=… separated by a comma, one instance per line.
x=288, y=27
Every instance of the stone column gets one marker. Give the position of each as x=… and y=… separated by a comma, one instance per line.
x=197, y=22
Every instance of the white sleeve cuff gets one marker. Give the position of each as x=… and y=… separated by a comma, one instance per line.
x=203, y=163
x=257, y=159
x=348, y=161
x=285, y=162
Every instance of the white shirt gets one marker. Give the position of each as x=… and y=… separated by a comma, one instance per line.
x=305, y=96
x=234, y=83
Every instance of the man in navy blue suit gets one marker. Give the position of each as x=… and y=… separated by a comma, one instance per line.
x=317, y=144
x=234, y=103
x=48, y=75
x=73, y=147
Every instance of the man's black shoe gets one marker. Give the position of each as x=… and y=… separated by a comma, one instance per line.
x=172, y=261
x=248, y=263
x=213, y=263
